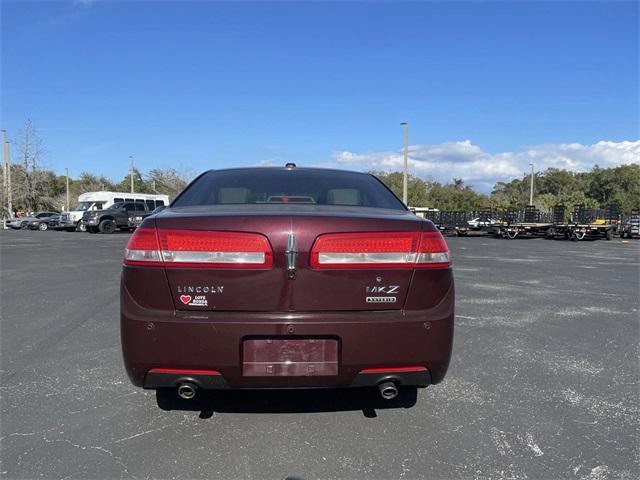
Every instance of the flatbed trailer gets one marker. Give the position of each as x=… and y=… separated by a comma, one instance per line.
x=580, y=231
x=478, y=222
x=530, y=223
x=585, y=223
x=482, y=229
x=451, y=221
x=525, y=229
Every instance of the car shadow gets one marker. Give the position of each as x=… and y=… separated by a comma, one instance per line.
x=368, y=400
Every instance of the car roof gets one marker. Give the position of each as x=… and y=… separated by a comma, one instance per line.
x=271, y=169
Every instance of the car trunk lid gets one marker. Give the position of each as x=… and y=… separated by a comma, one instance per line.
x=291, y=232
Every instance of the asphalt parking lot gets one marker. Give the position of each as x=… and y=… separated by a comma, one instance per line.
x=543, y=383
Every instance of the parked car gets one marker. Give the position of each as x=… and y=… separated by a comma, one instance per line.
x=24, y=222
x=122, y=215
x=286, y=278
x=631, y=226
x=45, y=223
x=477, y=223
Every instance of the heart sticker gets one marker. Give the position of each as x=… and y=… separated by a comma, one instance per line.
x=185, y=299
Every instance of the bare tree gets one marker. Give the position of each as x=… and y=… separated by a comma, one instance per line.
x=168, y=180
x=32, y=183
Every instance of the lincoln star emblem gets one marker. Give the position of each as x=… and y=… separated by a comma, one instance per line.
x=291, y=254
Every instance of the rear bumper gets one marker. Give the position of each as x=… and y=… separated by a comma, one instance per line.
x=213, y=341
x=159, y=378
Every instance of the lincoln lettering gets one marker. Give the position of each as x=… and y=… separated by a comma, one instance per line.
x=200, y=289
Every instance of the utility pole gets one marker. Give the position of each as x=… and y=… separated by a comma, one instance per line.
x=4, y=175
x=9, y=186
x=131, y=171
x=154, y=187
x=6, y=167
x=66, y=172
x=531, y=191
x=406, y=162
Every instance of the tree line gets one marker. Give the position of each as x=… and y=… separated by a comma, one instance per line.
x=35, y=188
x=597, y=188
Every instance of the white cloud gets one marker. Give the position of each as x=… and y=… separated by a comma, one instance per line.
x=476, y=167
x=270, y=162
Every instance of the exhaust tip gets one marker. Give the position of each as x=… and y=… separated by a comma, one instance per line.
x=187, y=391
x=388, y=390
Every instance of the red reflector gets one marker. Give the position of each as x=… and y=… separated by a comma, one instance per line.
x=178, y=371
x=394, y=370
x=380, y=249
x=180, y=248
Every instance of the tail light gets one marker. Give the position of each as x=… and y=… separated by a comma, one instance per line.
x=380, y=249
x=190, y=248
x=143, y=248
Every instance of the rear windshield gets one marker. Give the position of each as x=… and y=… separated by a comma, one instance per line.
x=288, y=186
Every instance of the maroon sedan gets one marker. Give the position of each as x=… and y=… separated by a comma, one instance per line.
x=286, y=278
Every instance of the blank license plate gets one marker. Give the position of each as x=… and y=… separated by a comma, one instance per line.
x=306, y=357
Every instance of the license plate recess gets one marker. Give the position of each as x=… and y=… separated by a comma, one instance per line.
x=287, y=357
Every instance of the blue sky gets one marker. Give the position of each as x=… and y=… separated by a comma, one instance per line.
x=486, y=87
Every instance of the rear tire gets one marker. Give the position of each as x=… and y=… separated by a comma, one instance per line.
x=107, y=226
x=43, y=226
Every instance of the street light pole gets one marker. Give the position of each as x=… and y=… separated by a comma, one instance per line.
x=66, y=173
x=131, y=171
x=406, y=162
x=6, y=168
x=9, y=187
x=531, y=191
x=4, y=172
